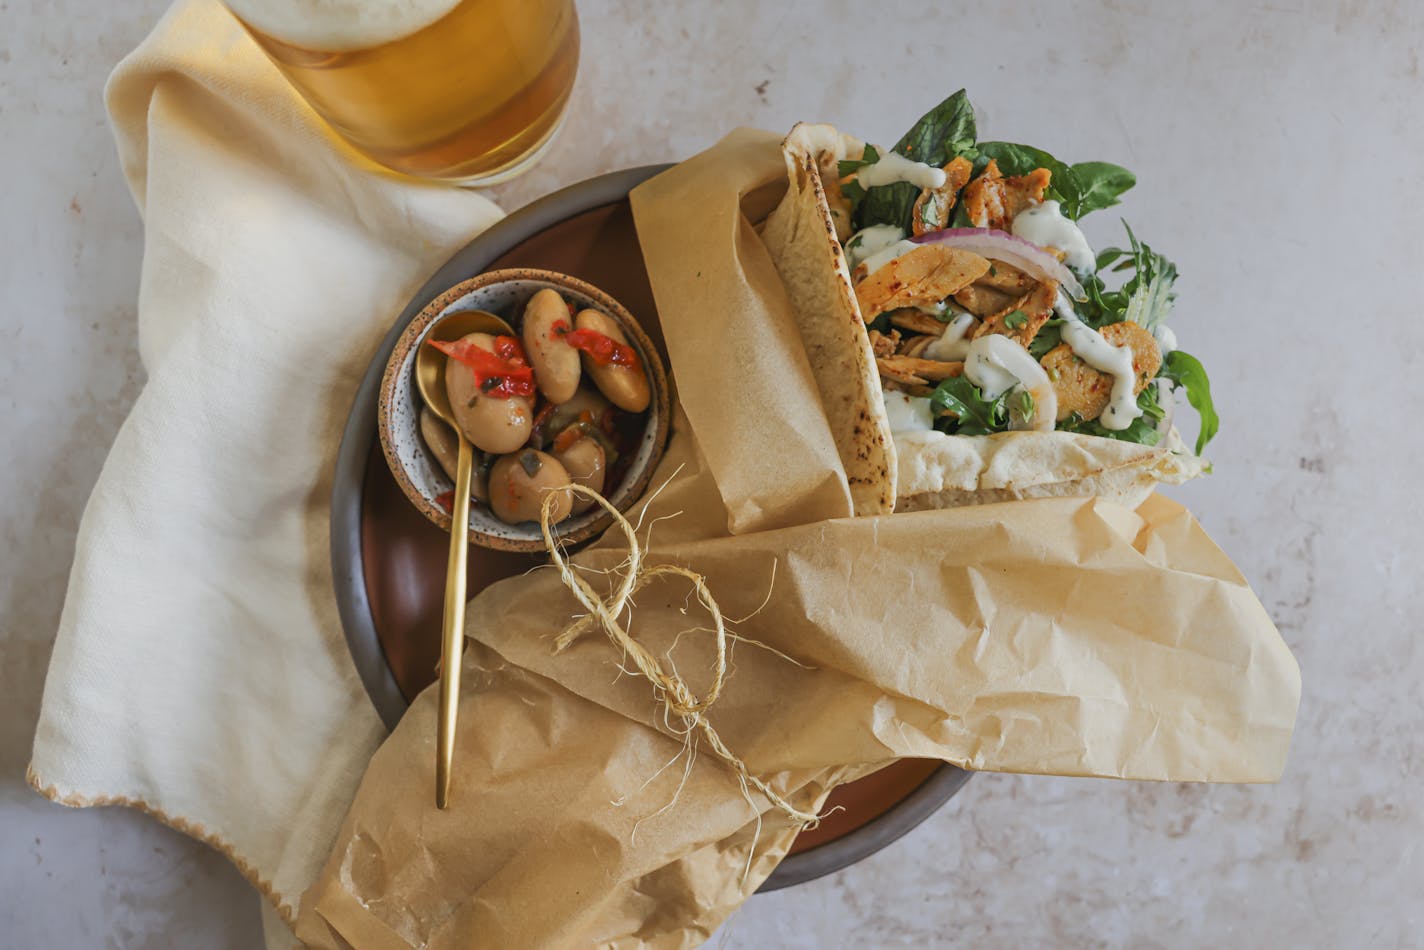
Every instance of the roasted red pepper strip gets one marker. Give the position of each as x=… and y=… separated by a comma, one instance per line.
x=603, y=349
x=501, y=374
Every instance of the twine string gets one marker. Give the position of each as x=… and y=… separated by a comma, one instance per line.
x=670, y=688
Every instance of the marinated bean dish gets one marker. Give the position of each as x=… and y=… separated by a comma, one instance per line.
x=562, y=403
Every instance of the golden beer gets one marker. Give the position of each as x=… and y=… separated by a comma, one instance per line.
x=465, y=90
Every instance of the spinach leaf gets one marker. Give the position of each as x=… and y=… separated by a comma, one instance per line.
x=942, y=133
x=1097, y=185
x=973, y=414
x=1187, y=371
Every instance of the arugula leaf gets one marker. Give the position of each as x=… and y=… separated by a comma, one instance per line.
x=942, y=133
x=973, y=414
x=1146, y=297
x=1187, y=371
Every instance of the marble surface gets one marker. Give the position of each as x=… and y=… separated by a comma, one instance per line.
x=1277, y=147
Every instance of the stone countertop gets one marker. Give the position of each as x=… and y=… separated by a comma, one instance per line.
x=1278, y=153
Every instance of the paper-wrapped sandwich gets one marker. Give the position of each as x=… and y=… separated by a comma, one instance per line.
x=968, y=343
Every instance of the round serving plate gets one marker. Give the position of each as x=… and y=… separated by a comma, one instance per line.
x=388, y=561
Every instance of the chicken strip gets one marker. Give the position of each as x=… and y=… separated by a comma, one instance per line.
x=1033, y=310
x=924, y=276
x=992, y=201
x=1085, y=390
x=932, y=208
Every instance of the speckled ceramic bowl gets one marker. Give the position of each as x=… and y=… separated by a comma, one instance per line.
x=504, y=293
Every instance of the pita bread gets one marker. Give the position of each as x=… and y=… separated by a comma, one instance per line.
x=945, y=471
x=801, y=238
x=927, y=469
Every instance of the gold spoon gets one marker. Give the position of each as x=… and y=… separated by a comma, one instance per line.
x=430, y=380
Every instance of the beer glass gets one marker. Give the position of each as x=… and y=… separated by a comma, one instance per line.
x=470, y=91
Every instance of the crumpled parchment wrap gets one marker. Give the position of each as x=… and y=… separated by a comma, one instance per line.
x=1069, y=636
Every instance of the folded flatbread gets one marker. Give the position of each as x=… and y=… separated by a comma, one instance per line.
x=917, y=470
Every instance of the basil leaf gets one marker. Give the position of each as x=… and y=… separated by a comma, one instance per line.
x=942, y=133
x=1187, y=371
x=1097, y=185
x=973, y=414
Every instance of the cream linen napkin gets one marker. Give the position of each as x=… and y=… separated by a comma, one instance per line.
x=200, y=672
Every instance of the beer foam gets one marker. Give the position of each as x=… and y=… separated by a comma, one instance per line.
x=334, y=25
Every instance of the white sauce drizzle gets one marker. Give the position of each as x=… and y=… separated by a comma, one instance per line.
x=1090, y=347
x=1166, y=338
x=996, y=364
x=866, y=242
x=893, y=167
x=908, y=413
x=1044, y=225
x=885, y=255
x=952, y=345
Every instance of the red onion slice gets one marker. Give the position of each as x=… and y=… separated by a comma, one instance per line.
x=1002, y=246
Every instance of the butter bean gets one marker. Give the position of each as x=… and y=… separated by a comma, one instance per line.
x=556, y=364
x=625, y=386
x=491, y=423
x=518, y=484
x=587, y=465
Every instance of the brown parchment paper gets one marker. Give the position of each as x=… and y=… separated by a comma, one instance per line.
x=1067, y=636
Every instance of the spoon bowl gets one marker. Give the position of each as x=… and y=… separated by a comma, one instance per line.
x=430, y=362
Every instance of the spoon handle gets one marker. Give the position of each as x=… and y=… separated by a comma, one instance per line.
x=452, y=636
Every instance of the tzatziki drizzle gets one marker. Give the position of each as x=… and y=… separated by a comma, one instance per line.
x=893, y=167
x=952, y=345
x=997, y=364
x=1089, y=346
x=868, y=242
x=1044, y=224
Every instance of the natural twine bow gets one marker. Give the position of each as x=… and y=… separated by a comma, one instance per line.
x=670, y=688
